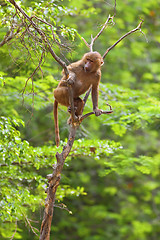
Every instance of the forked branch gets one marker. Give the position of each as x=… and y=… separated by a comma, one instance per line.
x=109, y=20
x=90, y=46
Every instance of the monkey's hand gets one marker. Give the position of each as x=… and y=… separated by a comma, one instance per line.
x=71, y=78
x=97, y=112
x=70, y=81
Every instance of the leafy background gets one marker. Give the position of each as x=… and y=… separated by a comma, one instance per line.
x=110, y=183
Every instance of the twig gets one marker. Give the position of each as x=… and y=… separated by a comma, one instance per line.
x=90, y=113
x=63, y=207
x=115, y=4
x=32, y=228
x=31, y=76
x=14, y=232
x=10, y=35
x=43, y=36
x=85, y=42
x=86, y=97
x=100, y=32
x=60, y=44
x=125, y=35
x=90, y=46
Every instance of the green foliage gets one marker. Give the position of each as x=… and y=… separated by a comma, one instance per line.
x=17, y=157
x=23, y=175
x=110, y=181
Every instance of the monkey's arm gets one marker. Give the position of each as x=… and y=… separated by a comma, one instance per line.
x=96, y=110
x=71, y=79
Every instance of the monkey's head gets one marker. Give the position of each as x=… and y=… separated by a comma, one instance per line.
x=92, y=61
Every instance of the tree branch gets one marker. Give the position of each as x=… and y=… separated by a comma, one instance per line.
x=54, y=180
x=43, y=37
x=10, y=35
x=100, y=32
x=125, y=35
x=109, y=20
x=48, y=46
x=90, y=46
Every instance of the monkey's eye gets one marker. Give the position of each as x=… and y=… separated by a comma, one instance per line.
x=89, y=60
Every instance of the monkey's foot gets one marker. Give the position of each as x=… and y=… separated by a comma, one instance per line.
x=76, y=122
x=97, y=112
x=69, y=109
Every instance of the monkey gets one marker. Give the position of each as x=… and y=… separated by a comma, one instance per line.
x=83, y=74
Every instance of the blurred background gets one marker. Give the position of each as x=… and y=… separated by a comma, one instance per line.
x=110, y=188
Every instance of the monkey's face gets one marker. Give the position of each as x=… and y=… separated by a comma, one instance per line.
x=92, y=61
x=88, y=65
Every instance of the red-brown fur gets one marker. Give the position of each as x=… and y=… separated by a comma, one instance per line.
x=83, y=74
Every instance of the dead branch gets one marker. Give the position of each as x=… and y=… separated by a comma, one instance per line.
x=109, y=20
x=90, y=46
x=43, y=37
x=125, y=35
x=89, y=114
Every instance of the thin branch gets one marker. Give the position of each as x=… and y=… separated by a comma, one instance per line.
x=109, y=20
x=90, y=46
x=85, y=42
x=57, y=42
x=125, y=35
x=43, y=36
x=32, y=228
x=100, y=32
x=10, y=35
x=31, y=76
x=63, y=207
x=14, y=232
x=90, y=113
x=115, y=4
x=86, y=97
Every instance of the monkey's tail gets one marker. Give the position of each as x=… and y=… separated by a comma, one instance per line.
x=55, y=112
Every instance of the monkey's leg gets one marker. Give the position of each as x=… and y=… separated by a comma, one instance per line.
x=78, y=103
x=78, y=106
x=62, y=96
